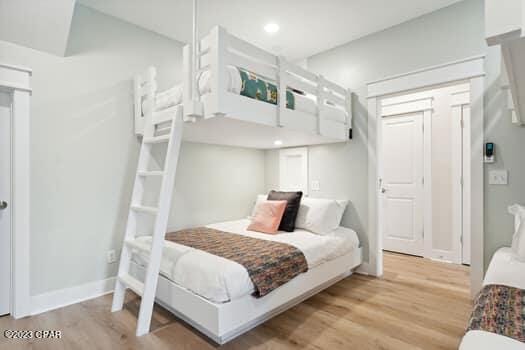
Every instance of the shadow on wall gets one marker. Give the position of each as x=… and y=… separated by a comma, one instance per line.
x=351, y=219
x=360, y=119
x=358, y=219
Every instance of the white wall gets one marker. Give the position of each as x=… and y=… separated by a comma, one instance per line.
x=84, y=151
x=334, y=166
x=215, y=183
x=446, y=35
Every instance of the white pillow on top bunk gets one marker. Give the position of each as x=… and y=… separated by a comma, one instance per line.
x=321, y=216
x=165, y=99
x=234, y=81
x=518, y=239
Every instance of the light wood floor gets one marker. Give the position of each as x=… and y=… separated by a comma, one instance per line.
x=418, y=304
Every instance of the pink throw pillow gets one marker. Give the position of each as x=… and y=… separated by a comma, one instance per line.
x=267, y=217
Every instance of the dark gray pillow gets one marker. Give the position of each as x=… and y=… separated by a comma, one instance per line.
x=293, y=200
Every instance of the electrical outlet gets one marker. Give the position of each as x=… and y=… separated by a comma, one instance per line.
x=111, y=256
x=498, y=177
x=315, y=185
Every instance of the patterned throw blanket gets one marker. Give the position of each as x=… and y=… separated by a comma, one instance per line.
x=500, y=309
x=269, y=264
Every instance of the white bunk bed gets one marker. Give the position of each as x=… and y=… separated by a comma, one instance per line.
x=208, y=108
x=322, y=114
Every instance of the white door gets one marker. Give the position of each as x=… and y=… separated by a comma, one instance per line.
x=402, y=183
x=5, y=198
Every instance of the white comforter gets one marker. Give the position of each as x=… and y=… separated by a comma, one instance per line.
x=506, y=270
x=221, y=280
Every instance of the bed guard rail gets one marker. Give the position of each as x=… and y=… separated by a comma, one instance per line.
x=219, y=49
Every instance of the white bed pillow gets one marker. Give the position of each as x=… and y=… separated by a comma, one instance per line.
x=518, y=239
x=234, y=81
x=320, y=216
x=260, y=198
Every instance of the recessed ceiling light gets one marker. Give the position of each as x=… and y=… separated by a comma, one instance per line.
x=271, y=28
x=278, y=143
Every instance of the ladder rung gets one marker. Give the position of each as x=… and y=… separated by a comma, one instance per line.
x=157, y=139
x=132, y=283
x=149, y=210
x=165, y=115
x=150, y=173
x=164, y=129
x=133, y=244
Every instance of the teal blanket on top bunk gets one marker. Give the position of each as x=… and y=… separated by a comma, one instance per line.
x=262, y=90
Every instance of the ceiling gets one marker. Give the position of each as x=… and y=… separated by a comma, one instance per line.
x=307, y=27
x=49, y=23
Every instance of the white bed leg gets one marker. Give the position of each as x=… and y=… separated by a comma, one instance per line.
x=118, y=296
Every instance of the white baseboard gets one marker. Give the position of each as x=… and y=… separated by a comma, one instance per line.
x=64, y=297
x=68, y=296
x=443, y=256
x=364, y=269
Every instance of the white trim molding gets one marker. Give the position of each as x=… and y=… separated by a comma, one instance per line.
x=64, y=297
x=464, y=69
x=15, y=67
x=364, y=269
x=468, y=69
x=16, y=80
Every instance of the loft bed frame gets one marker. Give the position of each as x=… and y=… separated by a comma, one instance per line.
x=227, y=118
x=232, y=119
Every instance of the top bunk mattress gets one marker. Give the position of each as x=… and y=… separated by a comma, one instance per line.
x=220, y=280
x=246, y=84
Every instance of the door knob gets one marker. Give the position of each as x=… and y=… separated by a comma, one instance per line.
x=383, y=190
x=3, y=205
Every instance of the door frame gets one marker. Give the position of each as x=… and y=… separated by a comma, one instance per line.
x=16, y=81
x=422, y=102
x=468, y=69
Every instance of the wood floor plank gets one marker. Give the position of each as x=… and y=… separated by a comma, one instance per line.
x=417, y=304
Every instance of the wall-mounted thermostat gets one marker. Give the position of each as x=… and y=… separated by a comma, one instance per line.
x=490, y=152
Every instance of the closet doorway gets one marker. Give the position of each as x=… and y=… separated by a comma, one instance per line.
x=5, y=199
x=423, y=171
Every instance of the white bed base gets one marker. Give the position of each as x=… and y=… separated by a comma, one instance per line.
x=222, y=322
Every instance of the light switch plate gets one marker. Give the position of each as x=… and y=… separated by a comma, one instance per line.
x=498, y=177
x=315, y=185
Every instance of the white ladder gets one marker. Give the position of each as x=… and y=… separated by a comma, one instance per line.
x=148, y=289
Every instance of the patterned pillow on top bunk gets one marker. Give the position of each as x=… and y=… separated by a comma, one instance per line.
x=262, y=90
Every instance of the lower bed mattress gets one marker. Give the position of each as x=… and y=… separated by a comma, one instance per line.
x=221, y=280
x=256, y=89
x=505, y=270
